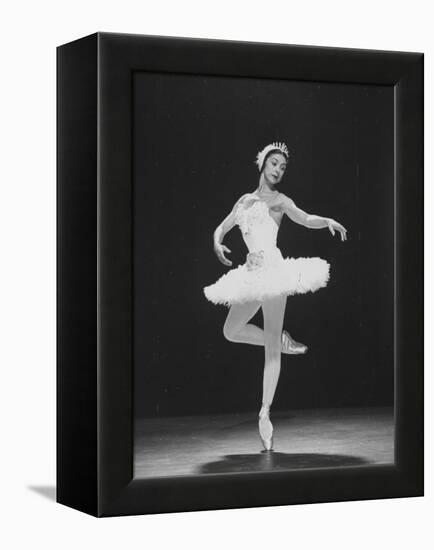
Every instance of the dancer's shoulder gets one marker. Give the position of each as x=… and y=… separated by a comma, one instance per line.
x=284, y=200
x=241, y=200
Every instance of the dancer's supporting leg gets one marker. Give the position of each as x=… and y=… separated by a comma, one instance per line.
x=274, y=312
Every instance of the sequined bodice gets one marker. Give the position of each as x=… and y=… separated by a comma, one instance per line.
x=258, y=228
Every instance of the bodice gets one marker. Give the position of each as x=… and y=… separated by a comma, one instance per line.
x=258, y=228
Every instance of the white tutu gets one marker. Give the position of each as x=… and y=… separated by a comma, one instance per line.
x=265, y=274
x=289, y=276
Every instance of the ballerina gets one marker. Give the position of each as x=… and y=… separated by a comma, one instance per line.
x=266, y=279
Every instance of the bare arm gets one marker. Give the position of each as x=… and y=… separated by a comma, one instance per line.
x=311, y=221
x=226, y=225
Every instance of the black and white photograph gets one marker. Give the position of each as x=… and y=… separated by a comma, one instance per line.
x=263, y=275
x=216, y=243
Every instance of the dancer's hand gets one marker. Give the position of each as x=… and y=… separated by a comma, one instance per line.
x=335, y=226
x=220, y=250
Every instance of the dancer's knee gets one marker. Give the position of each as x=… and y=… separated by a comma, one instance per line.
x=229, y=333
x=273, y=341
x=273, y=349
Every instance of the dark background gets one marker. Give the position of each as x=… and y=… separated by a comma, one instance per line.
x=195, y=142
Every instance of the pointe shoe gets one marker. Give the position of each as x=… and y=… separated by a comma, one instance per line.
x=290, y=346
x=266, y=428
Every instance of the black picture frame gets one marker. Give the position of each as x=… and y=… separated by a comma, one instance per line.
x=94, y=273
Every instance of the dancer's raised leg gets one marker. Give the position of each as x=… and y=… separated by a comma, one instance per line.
x=237, y=328
x=274, y=311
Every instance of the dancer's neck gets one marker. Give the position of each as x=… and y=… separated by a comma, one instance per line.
x=264, y=189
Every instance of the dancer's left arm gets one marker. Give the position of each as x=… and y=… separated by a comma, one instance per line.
x=311, y=220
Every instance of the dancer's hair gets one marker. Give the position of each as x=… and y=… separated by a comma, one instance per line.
x=275, y=147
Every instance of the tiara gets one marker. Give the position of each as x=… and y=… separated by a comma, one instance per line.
x=260, y=157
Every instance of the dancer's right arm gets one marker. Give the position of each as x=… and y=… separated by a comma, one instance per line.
x=226, y=225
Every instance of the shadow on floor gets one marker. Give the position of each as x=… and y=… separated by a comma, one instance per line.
x=267, y=461
x=46, y=491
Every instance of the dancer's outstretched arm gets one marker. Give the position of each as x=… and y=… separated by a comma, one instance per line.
x=311, y=220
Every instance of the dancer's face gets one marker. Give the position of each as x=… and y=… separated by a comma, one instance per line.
x=274, y=168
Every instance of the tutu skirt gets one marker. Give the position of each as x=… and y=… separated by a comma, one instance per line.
x=267, y=274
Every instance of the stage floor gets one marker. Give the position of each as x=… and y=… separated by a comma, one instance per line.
x=321, y=438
